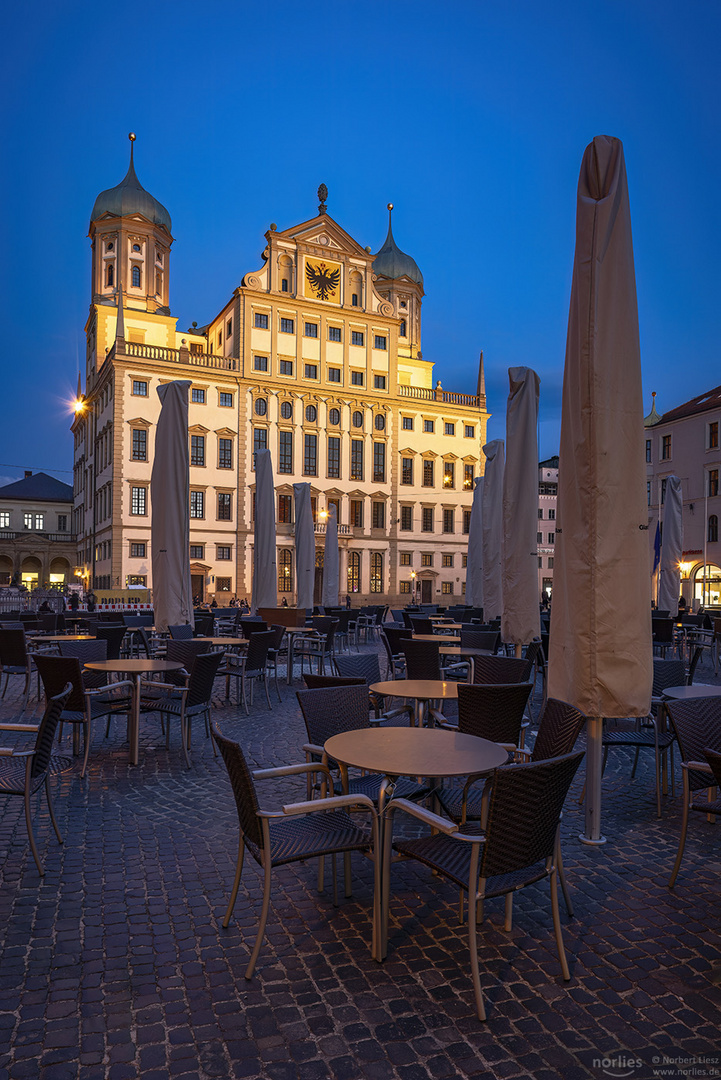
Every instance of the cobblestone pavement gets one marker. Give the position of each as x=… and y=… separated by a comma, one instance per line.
x=115, y=964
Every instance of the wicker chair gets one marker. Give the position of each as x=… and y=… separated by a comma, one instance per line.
x=391, y=637
x=250, y=667
x=185, y=702
x=481, y=639
x=301, y=831
x=23, y=772
x=421, y=624
x=275, y=651
x=502, y=669
x=697, y=726
x=317, y=646
x=367, y=667
x=182, y=632
x=114, y=636
x=519, y=847
x=14, y=658
x=423, y=660
x=320, y=682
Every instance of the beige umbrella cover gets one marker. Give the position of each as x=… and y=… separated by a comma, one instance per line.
x=493, y=528
x=304, y=545
x=265, y=574
x=600, y=647
x=331, y=561
x=169, y=500
x=474, y=559
x=669, y=584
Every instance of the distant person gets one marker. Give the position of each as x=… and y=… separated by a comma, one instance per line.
x=45, y=608
x=347, y=601
x=74, y=601
x=284, y=602
x=91, y=600
x=682, y=605
x=214, y=603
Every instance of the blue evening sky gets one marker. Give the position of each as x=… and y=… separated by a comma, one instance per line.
x=471, y=117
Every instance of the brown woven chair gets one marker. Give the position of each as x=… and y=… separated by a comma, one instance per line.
x=186, y=702
x=251, y=667
x=697, y=726
x=502, y=669
x=391, y=637
x=519, y=846
x=23, y=772
x=301, y=831
x=322, y=682
x=367, y=666
x=14, y=659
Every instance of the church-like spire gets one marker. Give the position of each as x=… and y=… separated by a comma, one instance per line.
x=653, y=417
x=481, y=389
x=391, y=262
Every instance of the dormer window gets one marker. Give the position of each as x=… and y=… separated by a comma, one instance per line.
x=110, y=275
x=135, y=277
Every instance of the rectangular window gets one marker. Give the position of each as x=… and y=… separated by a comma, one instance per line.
x=447, y=588
x=405, y=558
x=284, y=284
x=379, y=342
x=406, y=518
x=140, y=444
x=356, y=513
x=197, y=450
x=464, y=561
x=428, y=473
x=225, y=400
x=311, y=371
x=334, y=333
x=429, y=426
x=356, y=378
x=311, y=329
x=261, y=321
x=197, y=551
x=333, y=456
x=552, y=538
x=469, y=432
x=539, y=538
x=449, y=474
x=135, y=579
x=138, y=501
x=447, y=560
x=449, y=429
x=197, y=504
x=260, y=363
x=137, y=551
x=378, y=520
x=468, y=477
x=427, y=519
x=356, y=337
x=354, y=300
x=285, y=570
x=140, y=388
x=712, y=482
x=222, y=584
x=285, y=452
x=665, y=448
x=260, y=441
x=648, y=451
x=310, y=455
x=540, y=562
x=28, y=520
x=379, y=462
x=229, y=329
x=225, y=453
x=550, y=562
x=62, y=522
x=404, y=586
x=197, y=395
x=648, y=492
x=225, y=506
x=551, y=515
x=448, y=521
x=376, y=572
x=540, y=515
x=285, y=509
x=4, y=520
x=407, y=423
x=356, y=459
x=286, y=367
x=379, y=382
x=713, y=435
x=466, y=522
x=427, y=558
x=222, y=552
x=287, y=326
x=333, y=374
x=220, y=338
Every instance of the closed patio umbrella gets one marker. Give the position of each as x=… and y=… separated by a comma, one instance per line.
x=304, y=545
x=169, y=499
x=265, y=576
x=520, y=619
x=474, y=561
x=600, y=646
x=331, y=562
x=669, y=584
x=495, y=455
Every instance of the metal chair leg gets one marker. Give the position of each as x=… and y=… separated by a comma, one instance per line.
x=557, y=927
x=31, y=835
x=236, y=882
x=263, y=917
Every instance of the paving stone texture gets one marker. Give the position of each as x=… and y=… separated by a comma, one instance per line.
x=115, y=964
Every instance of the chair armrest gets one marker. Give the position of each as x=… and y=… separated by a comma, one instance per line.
x=449, y=727
x=697, y=766
x=434, y=820
x=311, y=748
x=332, y=803
x=6, y=751
x=19, y=727
x=290, y=770
x=109, y=686
x=159, y=686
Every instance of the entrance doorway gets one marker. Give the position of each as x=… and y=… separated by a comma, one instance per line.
x=197, y=584
x=426, y=591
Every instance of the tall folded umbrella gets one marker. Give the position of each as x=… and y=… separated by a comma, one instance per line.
x=331, y=562
x=474, y=559
x=669, y=584
x=493, y=528
x=520, y=619
x=170, y=504
x=304, y=545
x=600, y=647
x=265, y=577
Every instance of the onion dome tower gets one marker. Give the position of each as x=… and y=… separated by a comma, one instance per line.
x=398, y=279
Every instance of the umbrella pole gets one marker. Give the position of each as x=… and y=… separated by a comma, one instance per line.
x=594, y=750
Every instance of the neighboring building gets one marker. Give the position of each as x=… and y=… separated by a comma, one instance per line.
x=317, y=356
x=684, y=442
x=547, y=501
x=37, y=545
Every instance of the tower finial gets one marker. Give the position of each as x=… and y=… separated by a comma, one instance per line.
x=322, y=195
x=131, y=136
x=390, y=211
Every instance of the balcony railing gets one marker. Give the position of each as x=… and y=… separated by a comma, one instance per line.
x=343, y=530
x=178, y=356
x=447, y=397
x=61, y=537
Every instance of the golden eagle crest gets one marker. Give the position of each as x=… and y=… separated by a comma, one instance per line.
x=323, y=281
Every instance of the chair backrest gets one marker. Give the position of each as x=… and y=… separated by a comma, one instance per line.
x=407, y=620
x=397, y=615
x=697, y=654
x=394, y=636
x=667, y=673
x=662, y=630
x=181, y=633
x=559, y=725
x=481, y=639
x=46, y=730
x=319, y=682
x=324, y=624
x=423, y=659
x=204, y=624
x=202, y=677
x=185, y=653
x=493, y=711
x=243, y=788
x=27, y=617
x=114, y=636
x=364, y=666
x=278, y=631
x=13, y=647
x=697, y=724
x=501, y=669
x=421, y=624
x=257, y=653
x=56, y=672
x=333, y=709
x=523, y=813
x=86, y=651
x=47, y=622
x=714, y=759
x=251, y=625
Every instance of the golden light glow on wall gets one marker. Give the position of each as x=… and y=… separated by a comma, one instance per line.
x=321, y=280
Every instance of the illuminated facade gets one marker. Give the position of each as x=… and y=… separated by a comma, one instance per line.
x=316, y=356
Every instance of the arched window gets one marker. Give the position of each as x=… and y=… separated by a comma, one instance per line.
x=353, y=572
x=110, y=275
x=285, y=570
x=713, y=529
x=135, y=277
x=376, y=572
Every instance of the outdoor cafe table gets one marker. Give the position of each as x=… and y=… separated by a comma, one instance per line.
x=420, y=691
x=696, y=690
x=135, y=669
x=445, y=639
x=465, y=651
x=226, y=642
x=395, y=752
